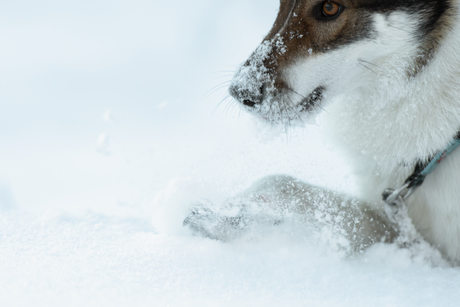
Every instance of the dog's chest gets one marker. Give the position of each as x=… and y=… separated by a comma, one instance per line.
x=382, y=152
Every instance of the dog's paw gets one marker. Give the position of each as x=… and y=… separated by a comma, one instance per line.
x=224, y=224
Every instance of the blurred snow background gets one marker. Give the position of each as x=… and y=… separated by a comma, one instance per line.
x=108, y=132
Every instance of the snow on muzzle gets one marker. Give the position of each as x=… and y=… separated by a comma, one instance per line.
x=259, y=87
x=249, y=85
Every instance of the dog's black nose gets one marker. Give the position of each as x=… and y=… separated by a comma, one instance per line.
x=249, y=103
x=245, y=96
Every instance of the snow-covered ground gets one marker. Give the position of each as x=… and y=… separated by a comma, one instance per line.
x=107, y=136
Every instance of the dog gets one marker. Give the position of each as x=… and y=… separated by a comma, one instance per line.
x=388, y=73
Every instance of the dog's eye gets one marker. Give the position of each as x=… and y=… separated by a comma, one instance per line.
x=331, y=9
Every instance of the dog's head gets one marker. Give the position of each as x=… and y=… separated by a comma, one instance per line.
x=318, y=49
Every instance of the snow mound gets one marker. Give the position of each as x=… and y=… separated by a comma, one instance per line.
x=95, y=260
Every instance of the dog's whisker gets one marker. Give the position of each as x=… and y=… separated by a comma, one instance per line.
x=224, y=76
x=292, y=106
x=216, y=88
x=227, y=106
x=220, y=103
x=375, y=65
x=364, y=65
x=391, y=26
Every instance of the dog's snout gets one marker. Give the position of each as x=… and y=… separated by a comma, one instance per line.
x=245, y=96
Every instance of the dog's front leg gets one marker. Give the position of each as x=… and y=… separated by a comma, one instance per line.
x=275, y=199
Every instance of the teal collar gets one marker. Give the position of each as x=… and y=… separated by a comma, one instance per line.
x=422, y=169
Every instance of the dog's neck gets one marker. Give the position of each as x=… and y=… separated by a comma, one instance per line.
x=399, y=120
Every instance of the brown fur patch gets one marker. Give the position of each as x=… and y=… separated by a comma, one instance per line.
x=304, y=33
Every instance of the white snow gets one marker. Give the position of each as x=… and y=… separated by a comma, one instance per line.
x=95, y=260
x=80, y=228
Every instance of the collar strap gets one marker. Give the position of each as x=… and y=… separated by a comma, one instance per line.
x=422, y=169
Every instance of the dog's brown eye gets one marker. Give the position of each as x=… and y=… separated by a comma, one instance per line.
x=330, y=9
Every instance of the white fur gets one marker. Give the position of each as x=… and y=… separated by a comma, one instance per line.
x=386, y=121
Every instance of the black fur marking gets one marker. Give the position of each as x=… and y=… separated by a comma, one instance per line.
x=432, y=10
x=429, y=12
x=312, y=100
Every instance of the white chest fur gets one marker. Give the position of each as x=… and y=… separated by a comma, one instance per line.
x=388, y=125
